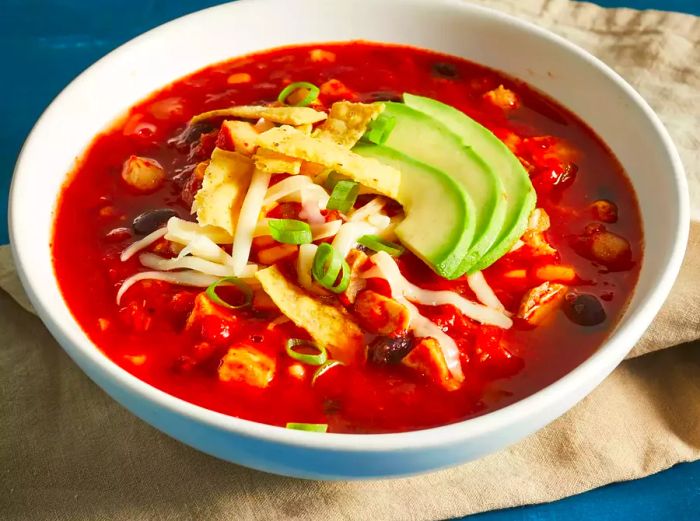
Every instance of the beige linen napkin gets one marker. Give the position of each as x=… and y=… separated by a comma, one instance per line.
x=67, y=451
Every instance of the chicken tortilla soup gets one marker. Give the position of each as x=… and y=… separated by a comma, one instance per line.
x=348, y=238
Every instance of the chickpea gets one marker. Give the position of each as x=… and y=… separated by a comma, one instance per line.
x=143, y=174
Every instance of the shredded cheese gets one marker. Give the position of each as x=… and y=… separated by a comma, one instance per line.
x=482, y=290
x=182, y=278
x=349, y=233
x=371, y=208
x=250, y=210
x=292, y=188
x=155, y=262
x=184, y=232
x=141, y=244
x=305, y=261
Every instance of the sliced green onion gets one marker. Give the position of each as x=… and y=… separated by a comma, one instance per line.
x=332, y=179
x=310, y=427
x=380, y=129
x=343, y=196
x=330, y=364
x=376, y=243
x=315, y=359
x=230, y=281
x=327, y=266
x=308, y=99
x=290, y=231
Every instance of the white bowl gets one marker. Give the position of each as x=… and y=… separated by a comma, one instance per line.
x=568, y=74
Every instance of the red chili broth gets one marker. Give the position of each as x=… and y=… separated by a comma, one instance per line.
x=366, y=399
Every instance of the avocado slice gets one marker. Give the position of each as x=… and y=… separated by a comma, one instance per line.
x=520, y=193
x=426, y=139
x=439, y=223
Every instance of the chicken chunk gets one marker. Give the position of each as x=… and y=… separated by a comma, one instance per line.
x=356, y=260
x=534, y=236
x=242, y=135
x=204, y=307
x=427, y=358
x=246, y=364
x=381, y=315
x=143, y=174
x=540, y=303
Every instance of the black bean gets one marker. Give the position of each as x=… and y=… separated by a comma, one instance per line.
x=151, y=220
x=584, y=309
x=386, y=350
x=445, y=70
x=190, y=134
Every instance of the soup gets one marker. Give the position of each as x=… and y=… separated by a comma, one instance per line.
x=351, y=238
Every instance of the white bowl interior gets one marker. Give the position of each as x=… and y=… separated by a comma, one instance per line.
x=581, y=84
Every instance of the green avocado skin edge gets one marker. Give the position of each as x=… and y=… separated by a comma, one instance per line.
x=518, y=188
x=428, y=140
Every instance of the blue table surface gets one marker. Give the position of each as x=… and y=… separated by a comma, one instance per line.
x=47, y=43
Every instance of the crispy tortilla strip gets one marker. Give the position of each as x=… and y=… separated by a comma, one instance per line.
x=329, y=325
x=348, y=121
x=283, y=115
x=224, y=186
x=276, y=163
x=367, y=171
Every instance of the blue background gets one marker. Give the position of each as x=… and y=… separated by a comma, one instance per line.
x=45, y=44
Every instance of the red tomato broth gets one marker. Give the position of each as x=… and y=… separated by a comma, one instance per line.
x=350, y=399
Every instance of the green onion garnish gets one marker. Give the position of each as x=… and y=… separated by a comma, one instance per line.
x=380, y=129
x=332, y=179
x=343, y=196
x=378, y=244
x=310, y=427
x=311, y=359
x=327, y=266
x=230, y=281
x=308, y=99
x=322, y=370
x=290, y=231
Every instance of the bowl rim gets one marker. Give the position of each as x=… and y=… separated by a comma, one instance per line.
x=593, y=369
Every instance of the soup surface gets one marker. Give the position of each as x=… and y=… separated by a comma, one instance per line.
x=549, y=299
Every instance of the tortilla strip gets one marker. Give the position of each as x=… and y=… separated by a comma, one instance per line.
x=329, y=325
x=276, y=163
x=348, y=121
x=224, y=186
x=367, y=171
x=283, y=115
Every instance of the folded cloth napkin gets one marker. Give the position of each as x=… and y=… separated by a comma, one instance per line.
x=70, y=452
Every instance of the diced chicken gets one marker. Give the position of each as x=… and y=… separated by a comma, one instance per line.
x=248, y=365
x=204, y=307
x=534, y=235
x=297, y=371
x=143, y=174
x=427, y=358
x=381, y=315
x=356, y=260
x=503, y=98
x=329, y=325
x=540, y=303
x=242, y=135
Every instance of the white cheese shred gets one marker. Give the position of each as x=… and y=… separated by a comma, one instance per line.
x=141, y=244
x=484, y=292
x=349, y=233
x=181, y=278
x=155, y=262
x=405, y=292
x=294, y=189
x=371, y=208
x=250, y=211
x=318, y=231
